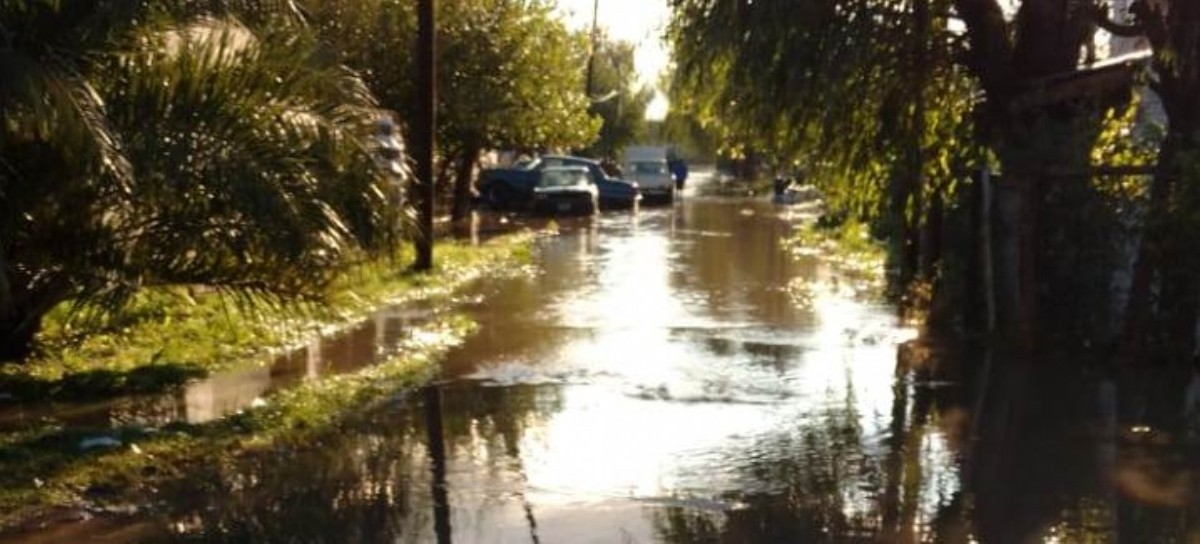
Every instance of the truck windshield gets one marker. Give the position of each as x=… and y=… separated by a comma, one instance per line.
x=563, y=178
x=650, y=168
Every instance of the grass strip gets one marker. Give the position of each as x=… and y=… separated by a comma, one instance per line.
x=168, y=336
x=46, y=468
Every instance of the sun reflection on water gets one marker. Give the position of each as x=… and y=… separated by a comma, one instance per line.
x=684, y=394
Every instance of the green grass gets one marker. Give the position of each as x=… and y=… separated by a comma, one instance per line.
x=848, y=245
x=168, y=336
x=44, y=467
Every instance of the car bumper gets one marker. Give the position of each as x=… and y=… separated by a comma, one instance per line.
x=658, y=193
x=612, y=202
x=554, y=206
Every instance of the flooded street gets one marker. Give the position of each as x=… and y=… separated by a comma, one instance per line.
x=674, y=376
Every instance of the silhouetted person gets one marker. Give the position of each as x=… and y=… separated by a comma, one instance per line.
x=679, y=171
x=611, y=168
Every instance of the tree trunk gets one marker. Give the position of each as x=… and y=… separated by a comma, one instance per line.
x=425, y=132
x=1181, y=281
x=931, y=236
x=1180, y=314
x=907, y=183
x=18, y=326
x=1027, y=240
x=1006, y=54
x=922, y=25
x=16, y=342
x=907, y=248
x=22, y=309
x=464, y=178
x=979, y=304
x=1164, y=253
x=1139, y=306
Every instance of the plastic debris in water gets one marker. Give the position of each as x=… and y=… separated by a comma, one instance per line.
x=99, y=442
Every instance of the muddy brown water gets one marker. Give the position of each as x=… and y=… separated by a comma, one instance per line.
x=672, y=376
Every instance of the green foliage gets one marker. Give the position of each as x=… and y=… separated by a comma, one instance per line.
x=846, y=243
x=166, y=336
x=510, y=74
x=225, y=143
x=621, y=100
x=1122, y=143
x=512, y=77
x=45, y=468
x=44, y=465
x=848, y=91
x=153, y=143
x=256, y=170
x=689, y=136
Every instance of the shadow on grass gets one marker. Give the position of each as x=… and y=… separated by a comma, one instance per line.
x=100, y=383
x=51, y=466
x=41, y=467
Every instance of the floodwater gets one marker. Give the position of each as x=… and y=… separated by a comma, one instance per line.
x=372, y=341
x=673, y=376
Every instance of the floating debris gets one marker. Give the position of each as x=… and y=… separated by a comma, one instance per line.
x=99, y=442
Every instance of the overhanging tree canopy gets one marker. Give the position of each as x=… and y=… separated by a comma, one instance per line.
x=510, y=73
x=895, y=98
x=149, y=143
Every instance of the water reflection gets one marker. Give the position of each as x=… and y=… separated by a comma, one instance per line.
x=369, y=342
x=658, y=382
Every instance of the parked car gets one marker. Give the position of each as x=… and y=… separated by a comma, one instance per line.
x=647, y=165
x=564, y=191
x=513, y=187
x=653, y=179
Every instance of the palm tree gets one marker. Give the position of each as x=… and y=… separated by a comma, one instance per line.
x=59, y=157
x=186, y=148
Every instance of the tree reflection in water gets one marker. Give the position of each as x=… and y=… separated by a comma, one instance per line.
x=1031, y=461
x=763, y=420
x=366, y=481
x=1034, y=460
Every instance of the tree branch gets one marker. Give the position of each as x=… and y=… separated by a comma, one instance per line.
x=1153, y=23
x=990, y=56
x=1099, y=16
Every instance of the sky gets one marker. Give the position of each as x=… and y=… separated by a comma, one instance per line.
x=641, y=22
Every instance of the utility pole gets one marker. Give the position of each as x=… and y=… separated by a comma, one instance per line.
x=425, y=133
x=435, y=434
x=592, y=50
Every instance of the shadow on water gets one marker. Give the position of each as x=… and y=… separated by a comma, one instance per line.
x=225, y=393
x=662, y=381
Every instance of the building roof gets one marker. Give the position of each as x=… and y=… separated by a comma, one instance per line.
x=1103, y=78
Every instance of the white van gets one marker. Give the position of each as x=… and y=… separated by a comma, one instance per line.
x=647, y=165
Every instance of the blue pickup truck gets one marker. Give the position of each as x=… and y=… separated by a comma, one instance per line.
x=509, y=188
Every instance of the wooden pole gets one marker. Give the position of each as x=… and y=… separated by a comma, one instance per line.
x=985, y=239
x=592, y=50
x=425, y=130
x=435, y=434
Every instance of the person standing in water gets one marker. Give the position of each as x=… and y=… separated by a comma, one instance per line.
x=679, y=171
